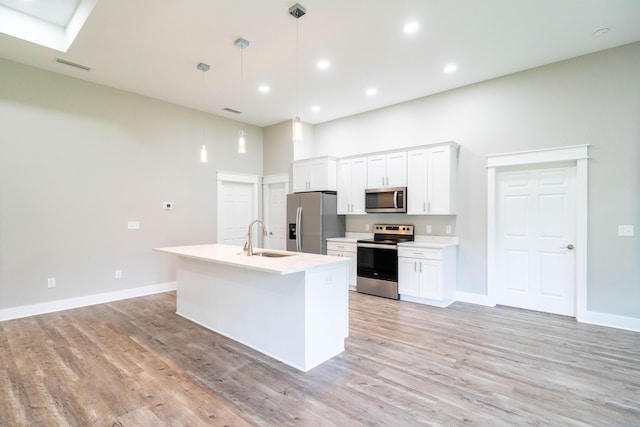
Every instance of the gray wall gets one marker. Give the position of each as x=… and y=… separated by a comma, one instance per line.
x=278, y=149
x=593, y=99
x=78, y=160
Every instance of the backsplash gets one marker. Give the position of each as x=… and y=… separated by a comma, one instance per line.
x=438, y=223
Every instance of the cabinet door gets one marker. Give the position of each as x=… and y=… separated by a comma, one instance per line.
x=397, y=169
x=344, y=187
x=417, y=176
x=376, y=171
x=430, y=279
x=358, y=184
x=408, y=276
x=300, y=174
x=318, y=175
x=439, y=180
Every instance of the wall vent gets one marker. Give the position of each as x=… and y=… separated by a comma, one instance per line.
x=73, y=64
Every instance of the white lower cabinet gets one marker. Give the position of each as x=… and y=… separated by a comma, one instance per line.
x=349, y=250
x=427, y=275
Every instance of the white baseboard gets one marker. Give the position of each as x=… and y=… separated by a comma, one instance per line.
x=475, y=299
x=66, y=304
x=611, y=320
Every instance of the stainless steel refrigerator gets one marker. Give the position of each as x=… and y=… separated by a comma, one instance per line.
x=311, y=219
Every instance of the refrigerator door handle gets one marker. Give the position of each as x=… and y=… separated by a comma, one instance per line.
x=299, y=229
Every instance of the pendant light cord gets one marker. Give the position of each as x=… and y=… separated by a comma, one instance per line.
x=297, y=66
x=241, y=79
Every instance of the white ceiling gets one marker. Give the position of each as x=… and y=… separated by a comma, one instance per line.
x=152, y=47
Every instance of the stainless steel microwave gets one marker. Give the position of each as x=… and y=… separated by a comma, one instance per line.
x=378, y=200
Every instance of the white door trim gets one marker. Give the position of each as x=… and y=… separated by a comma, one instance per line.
x=222, y=177
x=576, y=153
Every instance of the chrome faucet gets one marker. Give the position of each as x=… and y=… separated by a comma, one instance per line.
x=248, y=247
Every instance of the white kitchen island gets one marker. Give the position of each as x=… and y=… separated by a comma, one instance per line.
x=293, y=308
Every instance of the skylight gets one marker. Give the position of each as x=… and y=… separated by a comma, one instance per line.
x=50, y=23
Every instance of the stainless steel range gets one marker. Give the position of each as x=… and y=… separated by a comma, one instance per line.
x=378, y=260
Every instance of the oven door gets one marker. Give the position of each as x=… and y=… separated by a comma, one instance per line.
x=377, y=261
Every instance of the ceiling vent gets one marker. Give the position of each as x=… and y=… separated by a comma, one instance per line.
x=231, y=110
x=73, y=64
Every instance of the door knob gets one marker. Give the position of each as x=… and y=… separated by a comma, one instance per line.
x=569, y=246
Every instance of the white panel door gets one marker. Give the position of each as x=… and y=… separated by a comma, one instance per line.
x=535, y=237
x=237, y=203
x=276, y=217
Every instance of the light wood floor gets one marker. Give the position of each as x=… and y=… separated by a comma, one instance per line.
x=136, y=363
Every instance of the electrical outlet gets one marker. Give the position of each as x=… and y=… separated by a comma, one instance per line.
x=133, y=225
x=428, y=229
x=118, y=274
x=367, y=227
x=51, y=282
x=625, y=230
x=448, y=229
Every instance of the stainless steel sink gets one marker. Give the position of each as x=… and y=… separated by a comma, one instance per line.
x=272, y=254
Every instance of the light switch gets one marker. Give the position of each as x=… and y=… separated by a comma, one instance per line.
x=625, y=230
x=133, y=225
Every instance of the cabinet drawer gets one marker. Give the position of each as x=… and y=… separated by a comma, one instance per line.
x=421, y=253
x=341, y=247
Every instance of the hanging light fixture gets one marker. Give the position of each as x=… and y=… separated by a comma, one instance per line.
x=203, y=150
x=242, y=135
x=297, y=11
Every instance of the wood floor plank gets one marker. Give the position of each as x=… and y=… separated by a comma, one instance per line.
x=135, y=362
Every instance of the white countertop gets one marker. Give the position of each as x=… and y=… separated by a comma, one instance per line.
x=432, y=242
x=233, y=255
x=342, y=240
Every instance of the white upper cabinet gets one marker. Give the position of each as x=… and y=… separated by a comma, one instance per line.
x=317, y=174
x=352, y=181
x=387, y=170
x=432, y=180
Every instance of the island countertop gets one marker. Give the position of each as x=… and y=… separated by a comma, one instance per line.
x=233, y=255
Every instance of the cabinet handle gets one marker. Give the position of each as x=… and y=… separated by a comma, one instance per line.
x=383, y=181
x=424, y=206
x=429, y=206
x=420, y=267
x=414, y=267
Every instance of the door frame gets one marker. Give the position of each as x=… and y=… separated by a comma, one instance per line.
x=266, y=182
x=222, y=177
x=576, y=153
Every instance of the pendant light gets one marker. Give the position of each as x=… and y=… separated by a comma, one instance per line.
x=242, y=135
x=297, y=11
x=203, y=150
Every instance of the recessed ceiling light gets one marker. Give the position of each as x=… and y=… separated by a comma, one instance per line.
x=450, y=68
x=411, y=27
x=264, y=89
x=372, y=91
x=315, y=108
x=323, y=64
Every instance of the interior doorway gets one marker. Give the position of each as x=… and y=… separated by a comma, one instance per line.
x=537, y=230
x=535, y=238
x=275, y=190
x=238, y=197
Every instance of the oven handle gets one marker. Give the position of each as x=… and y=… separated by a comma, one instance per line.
x=376, y=246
